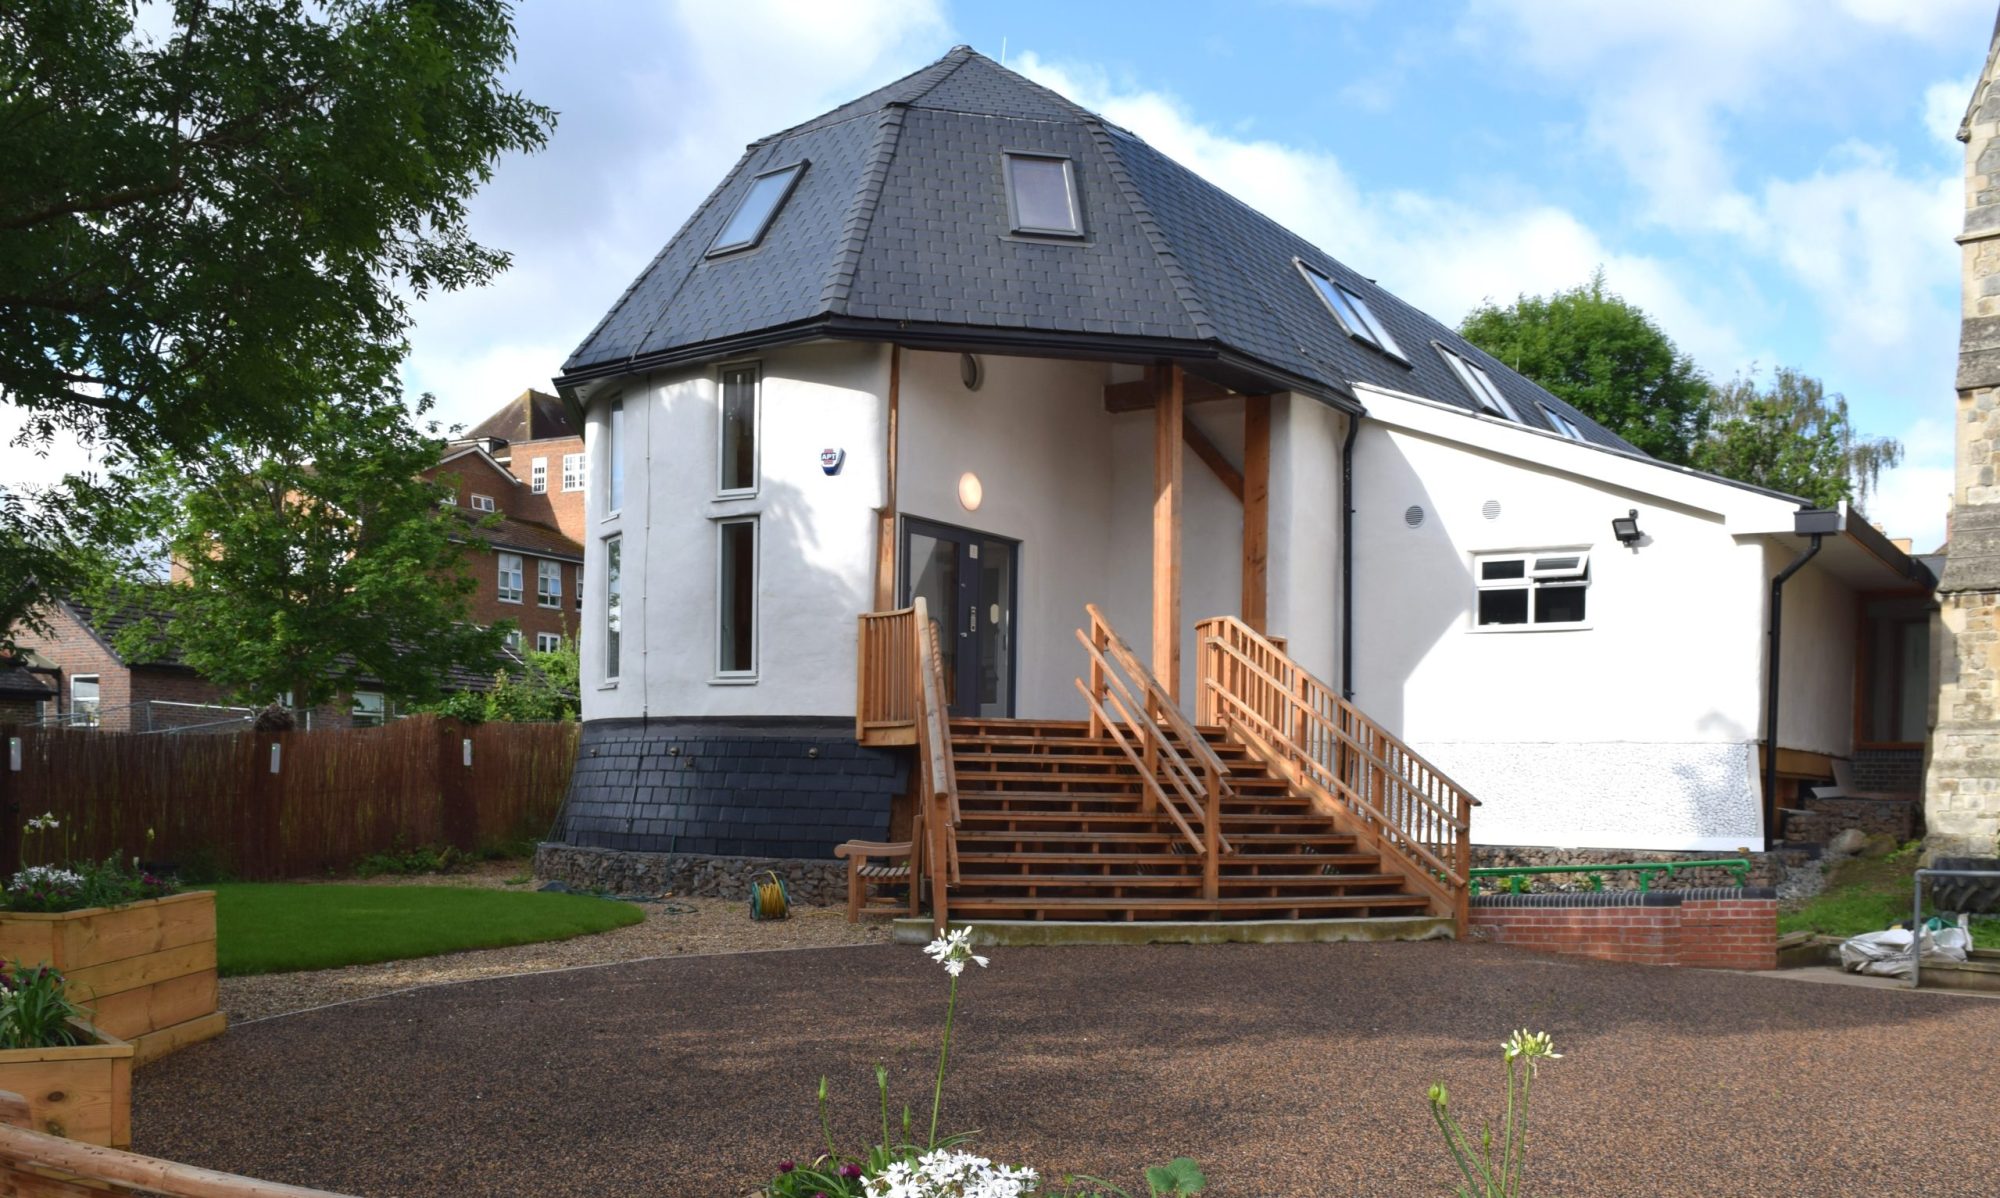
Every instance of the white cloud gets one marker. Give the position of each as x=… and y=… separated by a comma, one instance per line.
x=1441, y=254
x=1944, y=107
x=1913, y=500
x=641, y=139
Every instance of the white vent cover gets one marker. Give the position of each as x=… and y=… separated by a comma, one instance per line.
x=1414, y=516
x=1490, y=509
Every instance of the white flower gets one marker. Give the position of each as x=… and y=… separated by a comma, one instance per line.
x=946, y=1173
x=46, y=876
x=44, y=822
x=953, y=950
x=1529, y=1046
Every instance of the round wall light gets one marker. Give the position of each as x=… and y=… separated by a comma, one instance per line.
x=970, y=492
x=971, y=371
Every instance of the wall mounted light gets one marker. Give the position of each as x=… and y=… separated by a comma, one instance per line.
x=1626, y=528
x=970, y=492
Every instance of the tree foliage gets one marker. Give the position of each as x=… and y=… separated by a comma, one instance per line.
x=206, y=231
x=1795, y=438
x=1606, y=358
x=545, y=691
x=319, y=564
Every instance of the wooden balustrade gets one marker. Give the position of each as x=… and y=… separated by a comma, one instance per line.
x=900, y=699
x=1187, y=780
x=1400, y=804
x=886, y=688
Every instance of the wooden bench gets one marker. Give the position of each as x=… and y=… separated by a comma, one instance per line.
x=873, y=864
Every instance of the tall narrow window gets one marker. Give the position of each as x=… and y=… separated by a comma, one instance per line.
x=759, y=207
x=83, y=699
x=579, y=588
x=739, y=429
x=1041, y=195
x=538, y=476
x=548, y=583
x=572, y=472
x=736, y=597
x=613, y=606
x=614, y=459
x=510, y=577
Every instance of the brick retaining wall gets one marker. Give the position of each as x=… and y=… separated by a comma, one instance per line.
x=1712, y=928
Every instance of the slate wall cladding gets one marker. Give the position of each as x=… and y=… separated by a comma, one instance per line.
x=738, y=788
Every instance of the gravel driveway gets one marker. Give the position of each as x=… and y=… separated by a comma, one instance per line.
x=1285, y=1069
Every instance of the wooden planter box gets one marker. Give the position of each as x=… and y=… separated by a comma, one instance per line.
x=82, y=1092
x=145, y=971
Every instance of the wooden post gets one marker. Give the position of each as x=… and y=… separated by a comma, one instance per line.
x=10, y=795
x=1211, y=841
x=1097, y=684
x=458, y=818
x=1169, y=389
x=885, y=516
x=1256, y=510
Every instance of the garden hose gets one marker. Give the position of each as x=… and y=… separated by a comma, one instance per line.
x=770, y=900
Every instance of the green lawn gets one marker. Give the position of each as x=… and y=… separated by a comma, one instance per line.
x=1868, y=896
x=282, y=926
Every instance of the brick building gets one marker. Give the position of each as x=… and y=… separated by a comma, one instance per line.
x=24, y=689
x=518, y=478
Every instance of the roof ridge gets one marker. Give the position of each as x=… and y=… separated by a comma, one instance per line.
x=952, y=60
x=1184, y=289
x=834, y=294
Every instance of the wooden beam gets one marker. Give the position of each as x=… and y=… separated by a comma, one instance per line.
x=1138, y=395
x=1206, y=450
x=1168, y=415
x=1256, y=495
x=885, y=516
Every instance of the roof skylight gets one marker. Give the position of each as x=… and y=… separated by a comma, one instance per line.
x=1041, y=195
x=1562, y=423
x=1480, y=385
x=759, y=206
x=1352, y=311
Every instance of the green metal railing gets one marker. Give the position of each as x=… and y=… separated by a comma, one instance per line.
x=1516, y=876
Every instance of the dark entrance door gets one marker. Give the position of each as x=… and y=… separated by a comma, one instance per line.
x=968, y=580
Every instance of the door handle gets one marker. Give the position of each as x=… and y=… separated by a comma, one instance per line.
x=972, y=618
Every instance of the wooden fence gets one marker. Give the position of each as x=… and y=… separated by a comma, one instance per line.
x=281, y=805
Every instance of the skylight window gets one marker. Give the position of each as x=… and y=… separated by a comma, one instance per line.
x=1480, y=385
x=1562, y=423
x=1041, y=195
x=1352, y=311
x=754, y=214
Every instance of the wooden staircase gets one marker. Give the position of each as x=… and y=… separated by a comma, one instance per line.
x=1053, y=825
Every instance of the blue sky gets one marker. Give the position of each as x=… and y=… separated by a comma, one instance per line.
x=1775, y=180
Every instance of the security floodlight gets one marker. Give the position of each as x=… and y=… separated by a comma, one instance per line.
x=1626, y=528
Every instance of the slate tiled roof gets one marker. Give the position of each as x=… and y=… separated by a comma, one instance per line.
x=523, y=536
x=529, y=416
x=898, y=227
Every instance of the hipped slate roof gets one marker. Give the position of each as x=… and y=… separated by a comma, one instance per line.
x=529, y=416
x=898, y=230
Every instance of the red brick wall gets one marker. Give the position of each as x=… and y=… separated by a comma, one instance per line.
x=74, y=650
x=557, y=507
x=1710, y=932
x=528, y=615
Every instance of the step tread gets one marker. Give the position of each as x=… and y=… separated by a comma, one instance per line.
x=1226, y=903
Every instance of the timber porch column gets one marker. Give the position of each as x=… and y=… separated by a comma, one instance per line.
x=1256, y=511
x=1168, y=396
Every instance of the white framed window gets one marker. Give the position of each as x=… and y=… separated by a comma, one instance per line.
x=572, y=476
x=538, y=476
x=737, y=432
x=758, y=208
x=1562, y=423
x=736, y=599
x=1543, y=588
x=614, y=615
x=1353, y=312
x=84, y=704
x=370, y=709
x=510, y=577
x=579, y=588
x=548, y=642
x=450, y=500
x=1041, y=195
x=614, y=458
x=548, y=583
x=482, y=503
x=513, y=640
x=1479, y=385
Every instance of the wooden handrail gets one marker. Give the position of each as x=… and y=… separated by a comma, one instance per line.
x=34, y=1163
x=885, y=677
x=1124, y=695
x=900, y=699
x=1401, y=805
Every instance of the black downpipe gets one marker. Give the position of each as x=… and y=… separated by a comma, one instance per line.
x=1347, y=559
x=1771, y=689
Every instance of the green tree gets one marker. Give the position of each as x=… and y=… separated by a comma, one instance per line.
x=544, y=691
x=1606, y=358
x=206, y=231
x=1794, y=438
x=318, y=565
